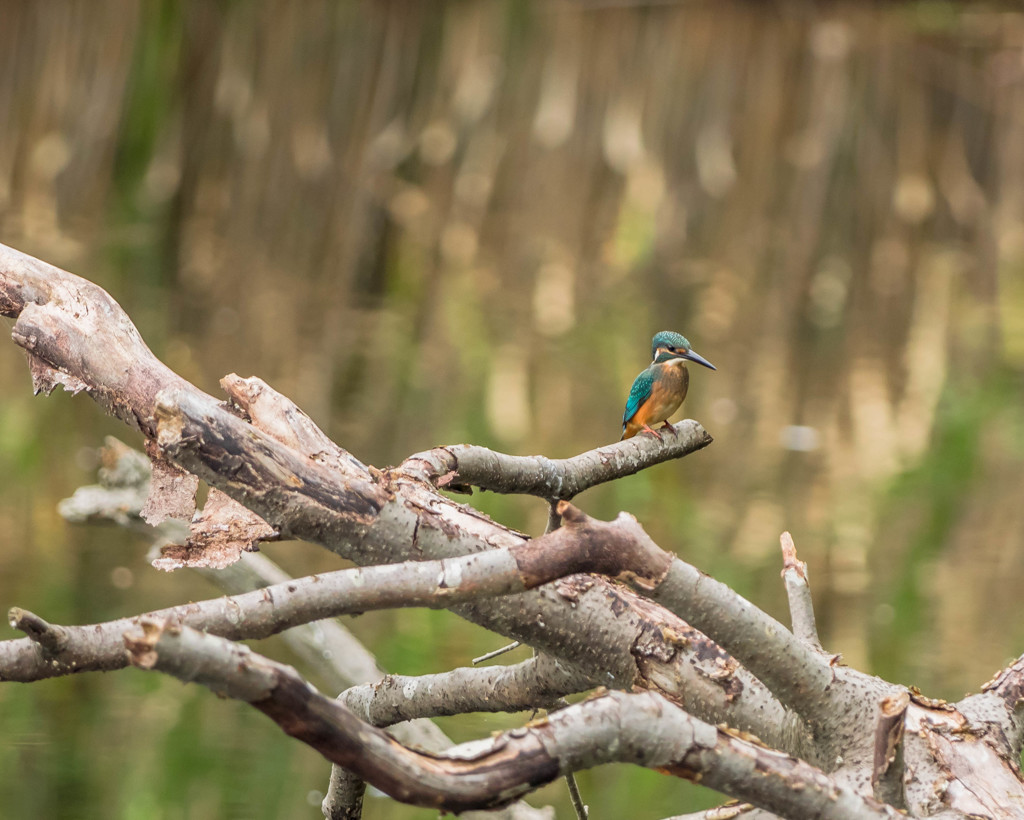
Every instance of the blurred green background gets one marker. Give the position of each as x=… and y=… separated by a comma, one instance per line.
x=434, y=223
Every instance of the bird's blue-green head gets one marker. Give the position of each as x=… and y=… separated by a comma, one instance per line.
x=668, y=345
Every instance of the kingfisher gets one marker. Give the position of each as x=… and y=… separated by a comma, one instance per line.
x=658, y=391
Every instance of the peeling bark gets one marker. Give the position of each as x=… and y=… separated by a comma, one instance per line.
x=274, y=608
x=887, y=775
x=799, y=735
x=495, y=771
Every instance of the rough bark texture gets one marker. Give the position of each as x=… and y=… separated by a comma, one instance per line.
x=837, y=742
x=640, y=728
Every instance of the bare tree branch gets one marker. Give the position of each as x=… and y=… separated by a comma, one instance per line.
x=540, y=681
x=581, y=809
x=57, y=313
x=344, y=798
x=792, y=670
x=537, y=682
x=640, y=728
x=324, y=645
x=51, y=639
x=464, y=465
x=798, y=590
x=344, y=662
x=367, y=524
x=262, y=452
x=611, y=548
x=370, y=517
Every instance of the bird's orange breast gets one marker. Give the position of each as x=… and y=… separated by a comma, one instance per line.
x=667, y=393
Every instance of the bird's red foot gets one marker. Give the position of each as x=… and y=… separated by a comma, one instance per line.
x=653, y=432
x=668, y=426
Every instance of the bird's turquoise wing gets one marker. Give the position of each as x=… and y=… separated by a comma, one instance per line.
x=638, y=394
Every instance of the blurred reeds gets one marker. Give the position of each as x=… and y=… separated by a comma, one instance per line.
x=443, y=222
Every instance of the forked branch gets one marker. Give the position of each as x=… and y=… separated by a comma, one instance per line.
x=614, y=727
x=583, y=546
x=302, y=487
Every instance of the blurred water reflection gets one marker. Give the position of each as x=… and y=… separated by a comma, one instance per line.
x=433, y=223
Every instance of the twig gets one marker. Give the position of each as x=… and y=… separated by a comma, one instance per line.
x=493, y=772
x=554, y=516
x=51, y=638
x=581, y=809
x=494, y=653
x=801, y=606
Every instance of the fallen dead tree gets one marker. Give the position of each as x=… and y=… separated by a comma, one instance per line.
x=686, y=676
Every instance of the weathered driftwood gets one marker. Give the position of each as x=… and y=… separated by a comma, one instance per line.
x=842, y=743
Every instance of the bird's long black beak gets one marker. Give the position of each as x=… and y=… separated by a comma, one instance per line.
x=696, y=357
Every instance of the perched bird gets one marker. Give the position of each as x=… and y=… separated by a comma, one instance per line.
x=658, y=391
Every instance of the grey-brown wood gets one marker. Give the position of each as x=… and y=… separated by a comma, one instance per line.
x=743, y=669
x=638, y=728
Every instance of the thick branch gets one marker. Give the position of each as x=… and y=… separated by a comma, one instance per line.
x=369, y=524
x=617, y=727
x=463, y=465
x=373, y=519
x=78, y=336
x=537, y=682
x=344, y=662
x=273, y=609
x=1001, y=703
x=297, y=496
x=795, y=673
x=57, y=315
